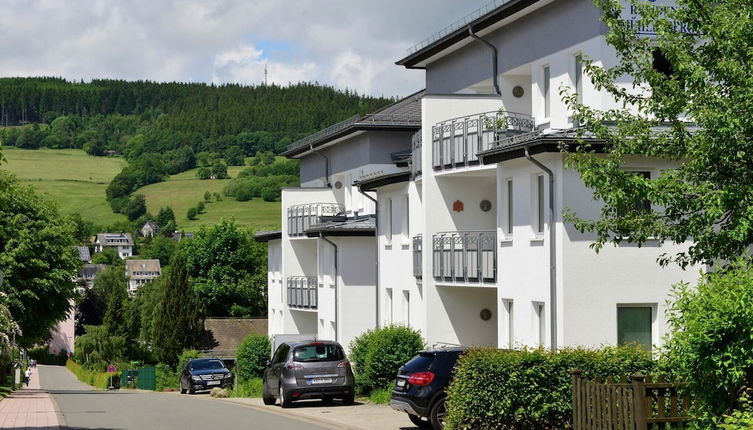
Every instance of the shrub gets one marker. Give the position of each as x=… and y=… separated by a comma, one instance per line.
x=204, y=173
x=529, y=389
x=741, y=418
x=250, y=388
x=185, y=356
x=191, y=214
x=207, y=196
x=269, y=194
x=44, y=357
x=378, y=354
x=252, y=356
x=96, y=349
x=97, y=379
x=166, y=378
x=200, y=207
x=711, y=345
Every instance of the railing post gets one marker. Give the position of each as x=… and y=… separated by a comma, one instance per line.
x=577, y=407
x=639, y=402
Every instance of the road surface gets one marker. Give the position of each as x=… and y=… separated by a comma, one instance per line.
x=84, y=408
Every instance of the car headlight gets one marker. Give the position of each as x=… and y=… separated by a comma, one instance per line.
x=196, y=378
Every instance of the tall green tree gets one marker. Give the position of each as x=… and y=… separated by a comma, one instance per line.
x=178, y=324
x=38, y=259
x=690, y=102
x=228, y=270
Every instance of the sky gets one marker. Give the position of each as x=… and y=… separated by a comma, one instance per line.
x=344, y=43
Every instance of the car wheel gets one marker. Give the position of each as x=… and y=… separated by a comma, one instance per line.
x=349, y=399
x=265, y=397
x=284, y=402
x=182, y=390
x=191, y=390
x=420, y=422
x=438, y=414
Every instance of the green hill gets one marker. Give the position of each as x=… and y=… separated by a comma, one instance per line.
x=75, y=180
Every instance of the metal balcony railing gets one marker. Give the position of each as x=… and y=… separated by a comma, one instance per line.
x=416, y=155
x=458, y=141
x=417, y=250
x=302, y=292
x=301, y=217
x=465, y=256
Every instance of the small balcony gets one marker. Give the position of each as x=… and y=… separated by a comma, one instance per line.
x=301, y=217
x=457, y=142
x=465, y=257
x=417, y=251
x=302, y=292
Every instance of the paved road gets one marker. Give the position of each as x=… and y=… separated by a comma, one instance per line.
x=84, y=408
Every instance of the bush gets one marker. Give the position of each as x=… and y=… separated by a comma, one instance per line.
x=96, y=349
x=166, y=378
x=200, y=207
x=711, y=343
x=185, y=356
x=742, y=418
x=529, y=389
x=250, y=388
x=378, y=354
x=43, y=357
x=97, y=379
x=191, y=214
x=252, y=356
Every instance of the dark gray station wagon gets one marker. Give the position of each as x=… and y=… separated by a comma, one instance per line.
x=308, y=370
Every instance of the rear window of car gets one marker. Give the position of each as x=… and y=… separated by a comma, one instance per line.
x=207, y=365
x=321, y=352
x=421, y=362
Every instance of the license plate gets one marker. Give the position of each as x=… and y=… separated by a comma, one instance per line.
x=320, y=381
x=401, y=383
x=214, y=382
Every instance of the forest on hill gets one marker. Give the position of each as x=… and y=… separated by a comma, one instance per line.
x=167, y=128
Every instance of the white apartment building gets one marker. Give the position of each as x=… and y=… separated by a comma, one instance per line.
x=123, y=242
x=472, y=248
x=323, y=262
x=140, y=272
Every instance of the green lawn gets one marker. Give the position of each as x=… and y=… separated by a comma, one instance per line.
x=74, y=179
x=184, y=190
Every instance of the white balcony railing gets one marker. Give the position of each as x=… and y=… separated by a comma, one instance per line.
x=301, y=217
x=465, y=257
x=302, y=292
x=458, y=141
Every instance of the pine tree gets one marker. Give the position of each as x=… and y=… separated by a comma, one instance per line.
x=178, y=321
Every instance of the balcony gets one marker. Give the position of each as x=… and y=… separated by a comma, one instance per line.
x=302, y=292
x=457, y=142
x=301, y=217
x=417, y=251
x=465, y=257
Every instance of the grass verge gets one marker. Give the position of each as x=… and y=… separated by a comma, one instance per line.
x=251, y=388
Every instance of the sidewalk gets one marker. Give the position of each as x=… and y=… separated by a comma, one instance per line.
x=29, y=408
x=361, y=416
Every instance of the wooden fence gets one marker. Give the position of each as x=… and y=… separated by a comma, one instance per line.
x=638, y=404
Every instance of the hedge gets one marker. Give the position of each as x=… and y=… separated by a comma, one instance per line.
x=251, y=357
x=94, y=378
x=166, y=378
x=378, y=354
x=529, y=389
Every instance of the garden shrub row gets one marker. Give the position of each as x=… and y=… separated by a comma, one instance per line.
x=94, y=378
x=377, y=355
x=529, y=389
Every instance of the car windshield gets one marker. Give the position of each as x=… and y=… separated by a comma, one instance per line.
x=318, y=352
x=207, y=365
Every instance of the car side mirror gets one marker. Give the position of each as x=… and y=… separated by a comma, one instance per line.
x=269, y=362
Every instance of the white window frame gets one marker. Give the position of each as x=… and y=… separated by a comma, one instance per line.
x=406, y=307
x=388, y=221
x=389, y=303
x=404, y=221
x=509, y=308
x=578, y=76
x=539, y=217
x=546, y=89
x=508, y=215
x=539, y=315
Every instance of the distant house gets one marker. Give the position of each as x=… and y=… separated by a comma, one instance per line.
x=178, y=236
x=223, y=335
x=84, y=254
x=122, y=241
x=139, y=272
x=86, y=274
x=150, y=228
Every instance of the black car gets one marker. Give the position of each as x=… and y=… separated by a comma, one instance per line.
x=204, y=374
x=421, y=384
x=308, y=370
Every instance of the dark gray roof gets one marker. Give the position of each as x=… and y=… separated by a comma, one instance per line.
x=177, y=236
x=266, y=236
x=370, y=183
x=363, y=226
x=404, y=114
x=90, y=270
x=84, y=254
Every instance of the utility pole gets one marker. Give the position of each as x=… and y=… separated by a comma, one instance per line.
x=265, y=74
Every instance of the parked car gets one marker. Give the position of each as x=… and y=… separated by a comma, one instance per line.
x=308, y=370
x=421, y=384
x=204, y=374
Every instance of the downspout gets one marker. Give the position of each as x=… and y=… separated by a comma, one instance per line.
x=376, y=223
x=337, y=305
x=552, y=250
x=495, y=74
x=326, y=163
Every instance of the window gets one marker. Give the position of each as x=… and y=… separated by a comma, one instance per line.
x=637, y=205
x=405, y=228
x=388, y=306
x=406, y=308
x=578, y=78
x=508, y=226
x=634, y=325
x=547, y=91
x=538, y=308
x=508, y=304
x=540, y=204
x=388, y=221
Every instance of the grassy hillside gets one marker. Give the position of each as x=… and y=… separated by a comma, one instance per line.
x=75, y=180
x=184, y=190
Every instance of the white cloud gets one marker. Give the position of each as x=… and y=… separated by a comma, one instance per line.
x=343, y=43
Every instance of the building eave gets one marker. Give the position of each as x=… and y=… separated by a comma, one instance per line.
x=266, y=236
x=355, y=128
x=372, y=184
